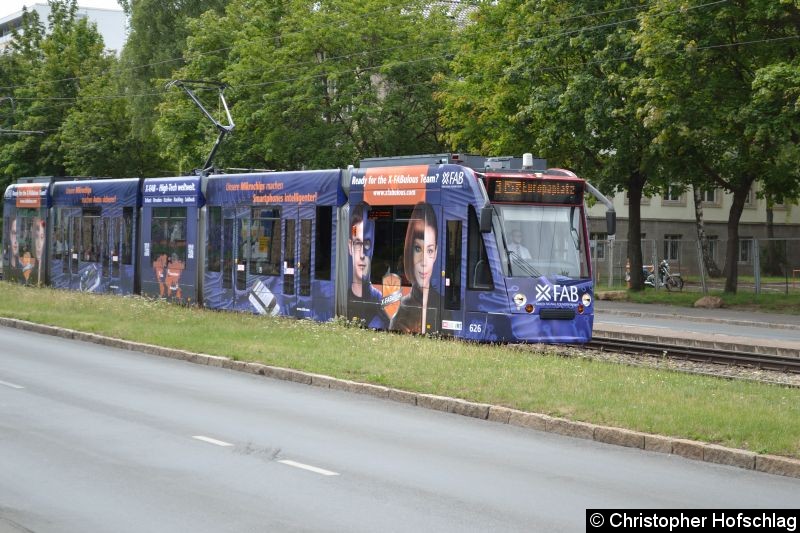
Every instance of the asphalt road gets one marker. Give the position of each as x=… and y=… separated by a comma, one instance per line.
x=98, y=439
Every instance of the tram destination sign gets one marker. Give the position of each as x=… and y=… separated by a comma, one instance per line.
x=535, y=191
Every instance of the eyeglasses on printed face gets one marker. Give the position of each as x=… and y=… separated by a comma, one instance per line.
x=358, y=245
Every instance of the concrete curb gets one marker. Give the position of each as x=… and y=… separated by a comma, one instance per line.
x=695, y=450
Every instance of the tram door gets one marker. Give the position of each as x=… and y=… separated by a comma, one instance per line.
x=297, y=268
x=235, y=225
x=452, y=260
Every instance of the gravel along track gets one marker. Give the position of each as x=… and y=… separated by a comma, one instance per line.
x=675, y=364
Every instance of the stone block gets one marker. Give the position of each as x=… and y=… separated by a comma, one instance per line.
x=688, y=448
x=619, y=437
x=471, y=409
x=781, y=466
x=657, y=443
x=403, y=396
x=528, y=420
x=499, y=414
x=729, y=456
x=570, y=428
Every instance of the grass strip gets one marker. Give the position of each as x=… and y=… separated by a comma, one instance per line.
x=753, y=416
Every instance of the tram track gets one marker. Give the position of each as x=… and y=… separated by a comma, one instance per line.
x=776, y=363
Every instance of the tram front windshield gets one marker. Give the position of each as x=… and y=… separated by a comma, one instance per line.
x=542, y=240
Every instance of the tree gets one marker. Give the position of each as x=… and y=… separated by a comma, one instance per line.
x=56, y=64
x=703, y=98
x=153, y=52
x=17, y=157
x=559, y=78
x=96, y=136
x=315, y=85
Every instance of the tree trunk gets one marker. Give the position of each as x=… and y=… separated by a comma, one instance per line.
x=732, y=255
x=635, y=186
x=708, y=261
x=773, y=261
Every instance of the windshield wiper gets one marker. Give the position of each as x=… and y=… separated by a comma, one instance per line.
x=525, y=267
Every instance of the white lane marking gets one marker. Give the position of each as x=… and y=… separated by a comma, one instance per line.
x=308, y=467
x=7, y=384
x=212, y=441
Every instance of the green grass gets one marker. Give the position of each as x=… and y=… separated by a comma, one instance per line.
x=743, y=301
x=758, y=417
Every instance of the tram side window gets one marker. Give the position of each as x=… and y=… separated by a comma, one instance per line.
x=116, y=232
x=214, y=246
x=265, y=233
x=479, y=275
x=90, y=237
x=102, y=232
x=452, y=290
x=168, y=233
x=127, y=235
x=304, y=263
x=388, y=243
x=75, y=243
x=323, y=247
x=242, y=230
x=59, y=231
x=25, y=235
x=289, y=257
x=227, y=252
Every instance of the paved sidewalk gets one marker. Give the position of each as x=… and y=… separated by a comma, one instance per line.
x=730, y=316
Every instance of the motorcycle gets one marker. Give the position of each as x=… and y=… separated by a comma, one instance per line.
x=665, y=277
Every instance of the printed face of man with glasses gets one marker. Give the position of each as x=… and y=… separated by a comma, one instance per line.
x=360, y=247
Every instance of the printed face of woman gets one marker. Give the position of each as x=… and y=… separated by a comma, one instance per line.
x=39, y=236
x=14, y=241
x=424, y=257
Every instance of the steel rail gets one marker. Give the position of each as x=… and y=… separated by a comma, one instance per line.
x=777, y=363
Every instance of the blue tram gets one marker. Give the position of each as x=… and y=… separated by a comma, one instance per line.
x=420, y=245
x=270, y=241
x=171, y=255
x=25, y=208
x=92, y=240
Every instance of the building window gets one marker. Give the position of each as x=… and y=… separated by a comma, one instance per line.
x=673, y=196
x=750, y=200
x=711, y=198
x=745, y=250
x=672, y=247
x=598, y=244
x=713, y=246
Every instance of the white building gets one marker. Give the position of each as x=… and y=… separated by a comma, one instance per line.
x=111, y=24
x=668, y=230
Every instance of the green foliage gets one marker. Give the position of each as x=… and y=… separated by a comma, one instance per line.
x=633, y=96
x=717, y=94
x=52, y=67
x=314, y=85
x=559, y=79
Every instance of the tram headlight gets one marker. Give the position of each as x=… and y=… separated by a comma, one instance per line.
x=587, y=300
x=520, y=300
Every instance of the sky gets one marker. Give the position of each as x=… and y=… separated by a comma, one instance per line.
x=12, y=6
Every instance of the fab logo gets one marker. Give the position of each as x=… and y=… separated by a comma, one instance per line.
x=556, y=293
